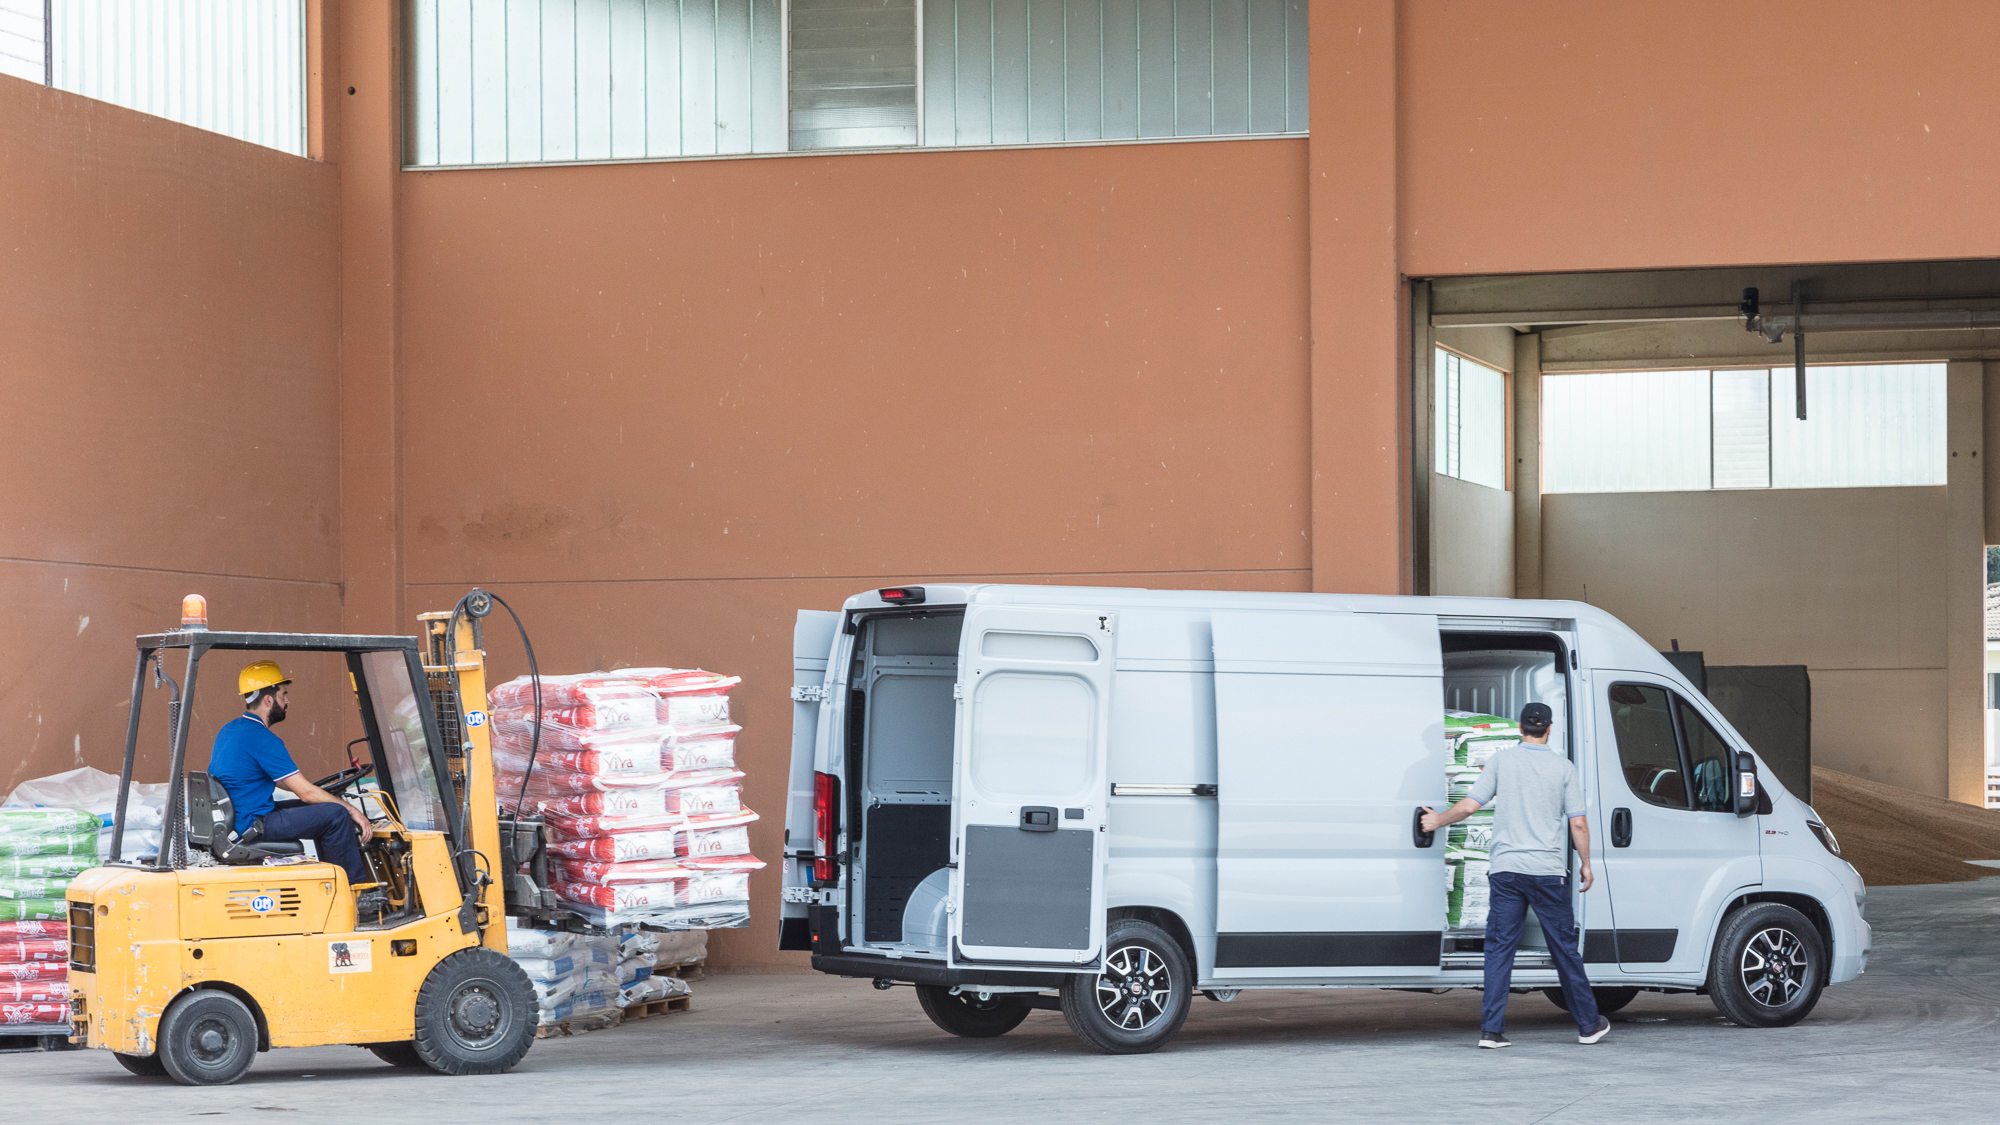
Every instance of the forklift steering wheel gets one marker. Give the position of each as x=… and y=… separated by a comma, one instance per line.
x=334, y=783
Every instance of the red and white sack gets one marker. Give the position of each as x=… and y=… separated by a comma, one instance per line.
x=720, y=820
x=631, y=758
x=716, y=886
x=34, y=970
x=607, y=874
x=620, y=847
x=574, y=829
x=722, y=863
x=38, y=1013
x=634, y=800
x=620, y=896
x=33, y=950
x=35, y=992
x=687, y=696
x=17, y=931
x=693, y=749
x=518, y=694
x=593, y=703
x=716, y=843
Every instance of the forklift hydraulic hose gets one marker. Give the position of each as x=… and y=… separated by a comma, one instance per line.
x=479, y=603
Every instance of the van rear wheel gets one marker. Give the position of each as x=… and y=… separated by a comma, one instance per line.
x=1769, y=966
x=1609, y=1000
x=967, y=1015
x=1139, y=1000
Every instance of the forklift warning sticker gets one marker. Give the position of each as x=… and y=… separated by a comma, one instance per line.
x=350, y=956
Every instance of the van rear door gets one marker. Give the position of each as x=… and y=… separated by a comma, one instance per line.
x=812, y=649
x=1028, y=839
x=1329, y=735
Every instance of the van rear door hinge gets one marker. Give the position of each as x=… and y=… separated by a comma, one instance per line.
x=958, y=691
x=812, y=694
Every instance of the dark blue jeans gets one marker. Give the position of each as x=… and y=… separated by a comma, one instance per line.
x=329, y=827
x=1513, y=894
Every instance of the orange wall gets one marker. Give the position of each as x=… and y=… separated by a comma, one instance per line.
x=170, y=318
x=1583, y=135
x=661, y=407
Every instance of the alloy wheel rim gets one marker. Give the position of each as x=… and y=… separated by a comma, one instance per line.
x=1775, y=967
x=1135, y=988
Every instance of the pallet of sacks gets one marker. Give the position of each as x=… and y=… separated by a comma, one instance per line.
x=41, y=850
x=1470, y=742
x=585, y=982
x=635, y=775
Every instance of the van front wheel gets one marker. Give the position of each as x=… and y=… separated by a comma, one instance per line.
x=1769, y=966
x=1137, y=1003
x=968, y=1015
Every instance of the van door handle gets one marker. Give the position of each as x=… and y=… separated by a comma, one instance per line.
x=1038, y=818
x=1418, y=836
x=1621, y=828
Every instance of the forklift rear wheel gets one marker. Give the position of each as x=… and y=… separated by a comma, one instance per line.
x=207, y=1038
x=145, y=1066
x=475, y=1014
x=968, y=1015
x=1609, y=1000
x=397, y=1054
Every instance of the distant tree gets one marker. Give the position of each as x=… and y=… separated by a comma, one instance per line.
x=1992, y=565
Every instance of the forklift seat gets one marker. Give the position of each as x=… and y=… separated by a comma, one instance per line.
x=211, y=824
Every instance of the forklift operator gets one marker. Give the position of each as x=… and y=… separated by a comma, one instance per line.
x=249, y=759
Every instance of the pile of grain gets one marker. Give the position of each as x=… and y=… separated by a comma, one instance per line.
x=1896, y=836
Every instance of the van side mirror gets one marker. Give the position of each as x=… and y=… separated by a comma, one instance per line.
x=1746, y=783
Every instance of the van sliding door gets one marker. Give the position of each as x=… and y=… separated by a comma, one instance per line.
x=1034, y=724
x=1329, y=735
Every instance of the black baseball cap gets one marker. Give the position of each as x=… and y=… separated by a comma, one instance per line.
x=1537, y=715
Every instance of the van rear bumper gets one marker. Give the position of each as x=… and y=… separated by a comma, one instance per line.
x=925, y=972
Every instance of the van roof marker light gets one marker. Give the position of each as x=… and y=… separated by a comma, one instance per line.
x=902, y=595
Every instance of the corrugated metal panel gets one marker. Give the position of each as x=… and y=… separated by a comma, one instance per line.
x=230, y=66
x=853, y=73
x=1741, y=402
x=529, y=81
x=1628, y=431
x=22, y=40
x=1470, y=401
x=1033, y=71
x=1869, y=426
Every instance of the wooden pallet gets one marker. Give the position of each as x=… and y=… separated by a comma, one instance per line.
x=659, y=1007
x=17, y=1037
x=687, y=970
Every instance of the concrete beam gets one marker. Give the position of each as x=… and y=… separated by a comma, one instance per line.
x=1965, y=578
x=1527, y=420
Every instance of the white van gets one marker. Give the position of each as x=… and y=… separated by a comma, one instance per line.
x=1125, y=797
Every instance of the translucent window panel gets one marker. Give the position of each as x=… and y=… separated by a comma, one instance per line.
x=1871, y=426
x=530, y=81
x=1741, y=442
x=1626, y=431
x=22, y=40
x=1038, y=71
x=235, y=67
x=1470, y=404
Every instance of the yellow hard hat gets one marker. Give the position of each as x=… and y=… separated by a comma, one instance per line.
x=258, y=676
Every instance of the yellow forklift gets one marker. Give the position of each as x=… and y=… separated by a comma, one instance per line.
x=189, y=962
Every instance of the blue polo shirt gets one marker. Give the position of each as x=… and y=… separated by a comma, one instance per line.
x=248, y=760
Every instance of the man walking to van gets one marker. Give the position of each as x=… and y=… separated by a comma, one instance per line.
x=1538, y=790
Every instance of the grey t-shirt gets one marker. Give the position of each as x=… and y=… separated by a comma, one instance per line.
x=1538, y=791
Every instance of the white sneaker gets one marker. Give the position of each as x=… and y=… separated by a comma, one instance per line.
x=1493, y=1041
x=1603, y=1029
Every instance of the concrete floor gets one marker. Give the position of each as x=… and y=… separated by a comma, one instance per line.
x=1916, y=1036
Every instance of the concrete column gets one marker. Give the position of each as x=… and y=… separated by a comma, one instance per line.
x=323, y=88
x=1361, y=529
x=1965, y=581
x=1528, y=465
x=370, y=434
x=1990, y=409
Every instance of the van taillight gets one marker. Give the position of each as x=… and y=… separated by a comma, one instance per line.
x=826, y=802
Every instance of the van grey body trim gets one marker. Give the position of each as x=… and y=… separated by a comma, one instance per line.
x=1306, y=950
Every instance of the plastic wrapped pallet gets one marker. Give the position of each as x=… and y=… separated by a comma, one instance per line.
x=96, y=792
x=644, y=804
x=41, y=851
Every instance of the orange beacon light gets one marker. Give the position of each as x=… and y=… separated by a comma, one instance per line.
x=194, y=612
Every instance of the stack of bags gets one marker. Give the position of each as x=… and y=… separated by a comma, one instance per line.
x=636, y=776
x=97, y=791
x=1470, y=740
x=41, y=850
x=575, y=976
x=638, y=954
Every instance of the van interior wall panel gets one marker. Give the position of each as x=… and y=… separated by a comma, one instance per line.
x=170, y=311
x=903, y=845
x=1847, y=581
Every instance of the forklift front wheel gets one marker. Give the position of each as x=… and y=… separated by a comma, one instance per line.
x=475, y=1014
x=207, y=1038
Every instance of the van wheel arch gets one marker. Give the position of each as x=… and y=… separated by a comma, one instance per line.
x=1812, y=908
x=1163, y=918
x=249, y=1001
